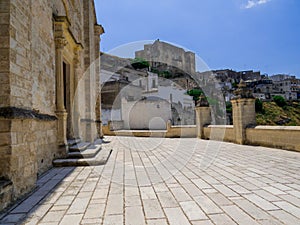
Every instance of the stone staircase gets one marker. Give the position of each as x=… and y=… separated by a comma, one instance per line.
x=84, y=154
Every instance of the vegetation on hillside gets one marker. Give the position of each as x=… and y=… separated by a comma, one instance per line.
x=288, y=114
x=139, y=63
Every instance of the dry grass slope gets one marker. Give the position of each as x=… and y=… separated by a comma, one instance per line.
x=274, y=115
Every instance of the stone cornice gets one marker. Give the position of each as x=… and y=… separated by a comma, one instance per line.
x=98, y=30
x=19, y=113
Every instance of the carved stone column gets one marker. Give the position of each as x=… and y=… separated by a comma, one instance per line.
x=77, y=62
x=98, y=30
x=61, y=113
x=203, y=116
x=243, y=112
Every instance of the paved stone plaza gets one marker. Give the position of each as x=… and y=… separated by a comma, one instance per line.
x=170, y=181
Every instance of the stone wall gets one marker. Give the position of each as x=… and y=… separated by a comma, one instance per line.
x=28, y=147
x=219, y=133
x=4, y=53
x=275, y=136
x=45, y=47
x=169, y=54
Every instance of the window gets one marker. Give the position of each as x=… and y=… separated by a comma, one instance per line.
x=153, y=84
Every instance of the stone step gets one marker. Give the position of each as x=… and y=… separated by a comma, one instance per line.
x=90, y=152
x=79, y=147
x=6, y=193
x=99, y=159
x=72, y=142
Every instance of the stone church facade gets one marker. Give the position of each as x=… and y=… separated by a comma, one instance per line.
x=49, y=86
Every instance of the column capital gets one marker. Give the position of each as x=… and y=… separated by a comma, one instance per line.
x=60, y=42
x=98, y=30
x=77, y=52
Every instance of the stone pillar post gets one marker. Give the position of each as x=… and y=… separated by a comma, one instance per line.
x=97, y=32
x=243, y=110
x=61, y=113
x=77, y=61
x=203, y=116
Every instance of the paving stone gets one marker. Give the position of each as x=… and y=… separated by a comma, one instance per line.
x=113, y=220
x=147, y=193
x=157, y=222
x=221, y=219
x=273, y=190
x=53, y=216
x=239, y=216
x=71, y=219
x=114, y=205
x=253, y=210
x=207, y=205
x=266, y=195
x=134, y=215
x=285, y=217
x=225, y=190
x=180, y=194
x=193, y=211
x=260, y=202
x=295, y=211
x=176, y=217
x=219, y=199
x=94, y=211
x=202, y=222
x=152, y=209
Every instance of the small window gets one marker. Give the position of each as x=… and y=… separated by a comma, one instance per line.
x=153, y=84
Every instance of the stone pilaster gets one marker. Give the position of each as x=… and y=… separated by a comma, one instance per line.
x=203, y=115
x=203, y=118
x=61, y=113
x=243, y=110
x=98, y=30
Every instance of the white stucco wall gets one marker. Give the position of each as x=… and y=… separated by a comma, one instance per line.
x=146, y=114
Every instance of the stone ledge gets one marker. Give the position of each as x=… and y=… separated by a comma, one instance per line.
x=19, y=113
x=6, y=191
x=279, y=128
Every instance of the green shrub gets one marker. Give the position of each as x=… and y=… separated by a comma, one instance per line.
x=228, y=107
x=279, y=100
x=259, y=106
x=139, y=63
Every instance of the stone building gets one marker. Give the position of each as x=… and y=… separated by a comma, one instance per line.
x=162, y=52
x=49, y=86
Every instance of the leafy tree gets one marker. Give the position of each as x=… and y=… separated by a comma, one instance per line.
x=139, y=63
x=259, y=105
x=279, y=100
x=228, y=107
x=195, y=93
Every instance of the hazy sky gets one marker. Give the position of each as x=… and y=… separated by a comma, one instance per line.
x=235, y=34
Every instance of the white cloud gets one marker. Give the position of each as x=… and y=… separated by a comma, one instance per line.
x=253, y=3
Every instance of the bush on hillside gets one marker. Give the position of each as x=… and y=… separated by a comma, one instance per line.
x=279, y=100
x=259, y=106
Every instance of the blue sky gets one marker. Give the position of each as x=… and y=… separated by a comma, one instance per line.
x=236, y=34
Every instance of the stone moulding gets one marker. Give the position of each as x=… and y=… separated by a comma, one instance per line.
x=19, y=113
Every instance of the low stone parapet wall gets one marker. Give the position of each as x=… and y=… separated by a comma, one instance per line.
x=284, y=137
x=187, y=131
x=219, y=133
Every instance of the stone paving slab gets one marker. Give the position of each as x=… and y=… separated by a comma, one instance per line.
x=169, y=181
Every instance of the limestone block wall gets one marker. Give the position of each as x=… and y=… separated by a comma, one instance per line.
x=4, y=53
x=185, y=131
x=219, y=133
x=32, y=56
x=147, y=114
x=275, y=136
x=28, y=147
